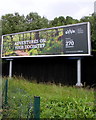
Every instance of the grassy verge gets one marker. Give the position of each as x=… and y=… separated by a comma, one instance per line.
x=56, y=101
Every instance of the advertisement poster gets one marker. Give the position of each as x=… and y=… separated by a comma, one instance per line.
x=70, y=40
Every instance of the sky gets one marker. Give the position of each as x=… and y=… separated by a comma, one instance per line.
x=49, y=8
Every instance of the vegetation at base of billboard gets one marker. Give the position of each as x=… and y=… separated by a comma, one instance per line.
x=56, y=101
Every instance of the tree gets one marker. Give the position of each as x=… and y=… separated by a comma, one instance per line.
x=63, y=21
x=92, y=20
x=93, y=29
x=35, y=21
x=12, y=23
x=70, y=20
x=58, y=21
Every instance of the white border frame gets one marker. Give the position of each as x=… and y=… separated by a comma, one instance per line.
x=89, y=42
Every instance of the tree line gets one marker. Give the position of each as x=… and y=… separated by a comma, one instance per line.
x=13, y=23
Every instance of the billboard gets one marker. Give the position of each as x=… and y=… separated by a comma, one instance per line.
x=69, y=40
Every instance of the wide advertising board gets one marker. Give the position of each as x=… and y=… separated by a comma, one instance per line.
x=70, y=40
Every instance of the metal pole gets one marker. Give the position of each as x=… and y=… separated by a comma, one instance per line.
x=10, y=69
x=79, y=73
x=6, y=92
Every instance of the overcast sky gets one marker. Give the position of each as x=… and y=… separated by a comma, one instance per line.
x=49, y=8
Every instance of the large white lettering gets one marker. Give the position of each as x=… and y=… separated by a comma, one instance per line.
x=30, y=44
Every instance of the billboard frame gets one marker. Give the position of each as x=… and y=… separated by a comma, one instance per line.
x=73, y=55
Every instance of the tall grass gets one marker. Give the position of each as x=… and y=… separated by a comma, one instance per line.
x=56, y=101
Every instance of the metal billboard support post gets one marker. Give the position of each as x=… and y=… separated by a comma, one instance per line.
x=10, y=67
x=79, y=84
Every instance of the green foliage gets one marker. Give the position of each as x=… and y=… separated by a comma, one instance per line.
x=92, y=20
x=20, y=104
x=12, y=23
x=57, y=101
x=63, y=21
x=35, y=21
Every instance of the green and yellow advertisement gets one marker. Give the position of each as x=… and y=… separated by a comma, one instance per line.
x=48, y=42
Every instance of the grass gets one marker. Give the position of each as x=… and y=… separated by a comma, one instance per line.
x=56, y=101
